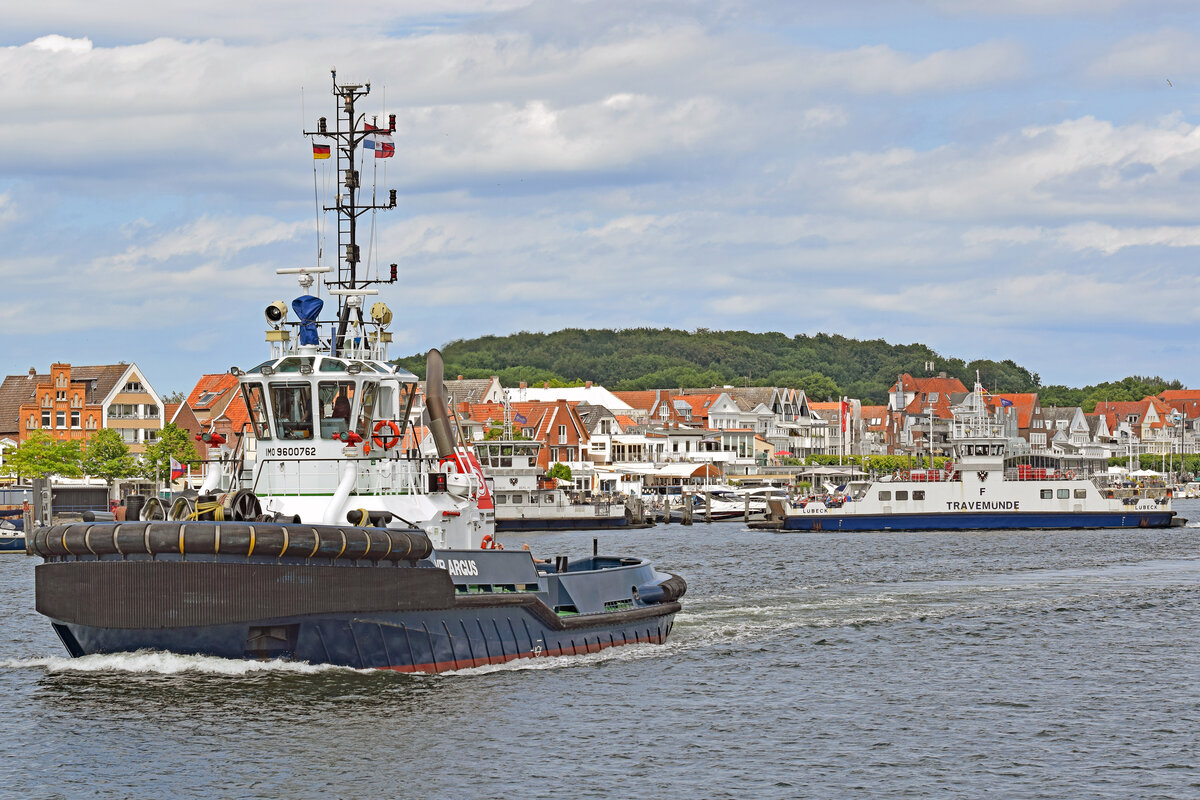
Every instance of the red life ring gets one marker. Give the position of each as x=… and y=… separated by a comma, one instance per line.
x=489, y=543
x=386, y=442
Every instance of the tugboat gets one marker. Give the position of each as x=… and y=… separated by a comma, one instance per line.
x=342, y=540
x=981, y=489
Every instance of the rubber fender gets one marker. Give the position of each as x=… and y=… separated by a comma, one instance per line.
x=229, y=538
x=667, y=591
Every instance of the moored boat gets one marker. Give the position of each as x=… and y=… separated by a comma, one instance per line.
x=334, y=543
x=526, y=501
x=981, y=489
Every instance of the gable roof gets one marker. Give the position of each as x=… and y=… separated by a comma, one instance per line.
x=211, y=392
x=467, y=390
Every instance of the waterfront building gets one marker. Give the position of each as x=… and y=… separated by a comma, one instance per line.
x=71, y=403
x=474, y=390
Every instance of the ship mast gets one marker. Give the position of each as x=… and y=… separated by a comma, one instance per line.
x=348, y=132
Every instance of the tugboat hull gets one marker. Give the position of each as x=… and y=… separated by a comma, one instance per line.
x=192, y=588
x=410, y=642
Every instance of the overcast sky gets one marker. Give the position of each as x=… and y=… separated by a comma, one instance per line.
x=1016, y=184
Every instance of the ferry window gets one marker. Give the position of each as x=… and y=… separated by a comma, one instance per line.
x=919, y=494
x=518, y=498
x=366, y=410
x=501, y=498
x=1063, y=494
x=901, y=494
x=885, y=495
x=335, y=398
x=333, y=365
x=256, y=403
x=1081, y=494
x=1047, y=494
x=292, y=403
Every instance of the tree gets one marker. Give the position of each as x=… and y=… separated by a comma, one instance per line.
x=560, y=471
x=107, y=456
x=40, y=456
x=173, y=442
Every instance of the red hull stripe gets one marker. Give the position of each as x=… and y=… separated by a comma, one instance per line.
x=467, y=663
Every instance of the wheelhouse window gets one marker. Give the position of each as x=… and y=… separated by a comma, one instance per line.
x=366, y=409
x=335, y=399
x=295, y=364
x=256, y=403
x=292, y=403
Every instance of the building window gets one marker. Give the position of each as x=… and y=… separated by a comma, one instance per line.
x=562, y=434
x=134, y=386
x=46, y=400
x=60, y=395
x=554, y=454
x=45, y=419
x=74, y=419
x=60, y=419
x=32, y=422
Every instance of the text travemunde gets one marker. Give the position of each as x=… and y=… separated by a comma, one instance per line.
x=983, y=505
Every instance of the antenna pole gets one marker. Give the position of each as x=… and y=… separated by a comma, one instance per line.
x=345, y=137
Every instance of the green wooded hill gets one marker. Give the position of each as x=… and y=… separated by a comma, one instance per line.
x=825, y=366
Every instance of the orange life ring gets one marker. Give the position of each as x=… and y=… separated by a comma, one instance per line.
x=386, y=442
x=487, y=540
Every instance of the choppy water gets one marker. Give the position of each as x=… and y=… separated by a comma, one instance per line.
x=1005, y=664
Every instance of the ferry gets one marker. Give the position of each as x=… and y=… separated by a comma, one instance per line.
x=340, y=537
x=527, y=501
x=981, y=489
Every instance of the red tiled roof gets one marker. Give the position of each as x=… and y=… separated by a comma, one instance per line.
x=926, y=385
x=1023, y=402
x=217, y=385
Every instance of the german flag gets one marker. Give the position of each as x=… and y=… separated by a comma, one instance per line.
x=320, y=151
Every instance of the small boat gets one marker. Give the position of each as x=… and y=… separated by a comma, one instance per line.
x=12, y=536
x=343, y=538
x=981, y=489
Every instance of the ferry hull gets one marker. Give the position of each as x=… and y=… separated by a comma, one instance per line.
x=411, y=642
x=569, y=524
x=1032, y=520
